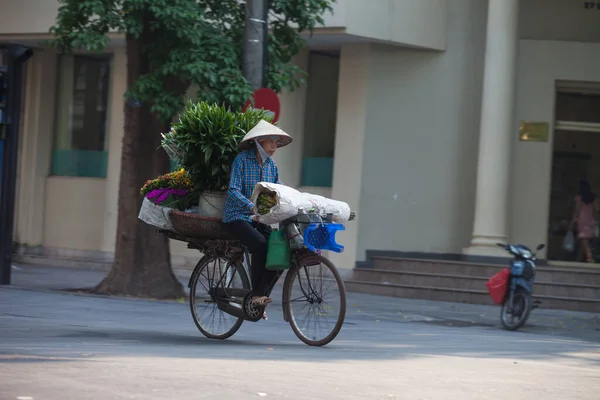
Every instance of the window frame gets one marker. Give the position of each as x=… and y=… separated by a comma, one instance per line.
x=65, y=160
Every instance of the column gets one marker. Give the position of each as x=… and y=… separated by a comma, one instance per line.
x=349, y=148
x=115, y=141
x=490, y=225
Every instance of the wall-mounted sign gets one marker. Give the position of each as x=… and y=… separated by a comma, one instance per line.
x=533, y=131
x=590, y=5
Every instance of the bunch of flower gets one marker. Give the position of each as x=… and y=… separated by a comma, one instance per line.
x=173, y=186
x=174, y=180
x=160, y=195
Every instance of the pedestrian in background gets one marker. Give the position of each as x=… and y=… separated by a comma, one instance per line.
x=585, y=219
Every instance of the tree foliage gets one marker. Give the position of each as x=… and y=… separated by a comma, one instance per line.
x=198, y=42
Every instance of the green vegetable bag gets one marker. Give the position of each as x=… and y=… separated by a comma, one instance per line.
x=278, y=252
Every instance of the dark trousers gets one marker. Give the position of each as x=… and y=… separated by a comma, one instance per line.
x=255, y=236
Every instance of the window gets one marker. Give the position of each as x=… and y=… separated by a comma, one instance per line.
x=580, y=107
x=320, y=119
x=80, y=138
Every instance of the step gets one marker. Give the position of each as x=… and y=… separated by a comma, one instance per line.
x=464, y=296
x=585, y=268
x=456, y=281
x=420, y=292
x=573, y=275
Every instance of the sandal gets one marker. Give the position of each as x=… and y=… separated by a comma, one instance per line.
x=261, y=301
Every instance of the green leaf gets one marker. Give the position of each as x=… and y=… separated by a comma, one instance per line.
x=207, y=153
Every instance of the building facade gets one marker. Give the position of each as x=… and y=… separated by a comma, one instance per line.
x=448, y=125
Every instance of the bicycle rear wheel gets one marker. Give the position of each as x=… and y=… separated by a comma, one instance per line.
x=214, y=274
x=314, y=296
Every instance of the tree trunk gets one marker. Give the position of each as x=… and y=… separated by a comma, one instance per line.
x=142, y=264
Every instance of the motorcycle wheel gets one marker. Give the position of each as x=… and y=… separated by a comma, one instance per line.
x=521, y=307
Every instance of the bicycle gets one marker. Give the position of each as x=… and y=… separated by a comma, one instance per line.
x=228, y=291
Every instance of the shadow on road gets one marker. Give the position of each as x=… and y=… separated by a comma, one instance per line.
x=44, y=326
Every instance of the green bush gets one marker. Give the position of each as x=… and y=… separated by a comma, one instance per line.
x=205, y=142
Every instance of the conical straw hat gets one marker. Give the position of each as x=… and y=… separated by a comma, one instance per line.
x=261, y=130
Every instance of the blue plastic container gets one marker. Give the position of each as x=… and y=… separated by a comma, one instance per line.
x=322, y=237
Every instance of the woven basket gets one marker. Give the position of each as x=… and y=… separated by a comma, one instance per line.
x=198, y=226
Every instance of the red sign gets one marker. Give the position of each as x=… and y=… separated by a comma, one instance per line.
x=265, y=99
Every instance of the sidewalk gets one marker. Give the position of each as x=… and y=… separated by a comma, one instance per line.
x=365, y=307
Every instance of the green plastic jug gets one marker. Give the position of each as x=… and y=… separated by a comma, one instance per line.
x=278, y=252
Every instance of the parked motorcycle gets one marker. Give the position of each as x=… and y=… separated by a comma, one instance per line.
x=513, y=287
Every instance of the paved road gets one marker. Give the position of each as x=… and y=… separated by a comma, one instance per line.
x=375, y=308
x=59, y=346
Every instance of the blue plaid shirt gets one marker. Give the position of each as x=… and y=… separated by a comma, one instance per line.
x=246, y=172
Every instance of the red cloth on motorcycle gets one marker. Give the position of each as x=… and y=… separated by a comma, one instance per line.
x=497, y=285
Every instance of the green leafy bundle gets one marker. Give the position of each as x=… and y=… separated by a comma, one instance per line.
x=206, y=138
x=266, y=201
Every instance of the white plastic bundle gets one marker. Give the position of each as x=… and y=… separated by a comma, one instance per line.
x=290, y=201
x=155, y=215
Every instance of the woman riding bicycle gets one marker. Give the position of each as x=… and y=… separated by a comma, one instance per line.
x=254, y=164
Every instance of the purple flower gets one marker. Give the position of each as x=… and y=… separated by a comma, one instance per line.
x=154, y=193
x=160, y=195
x=180, y=192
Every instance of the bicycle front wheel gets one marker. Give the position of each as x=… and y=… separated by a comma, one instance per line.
x=513, y=316
x=314, y=298
x=213, y=274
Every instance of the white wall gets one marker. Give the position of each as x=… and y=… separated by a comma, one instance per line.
x=421, y=140
x=27, y=16
x=291, y=120
x=421, y=23
x=418, y=23
x=56, y=212
x=336, y=18
x=74, y=213
x=81, y=213
x=559, y=20
x=540, y=64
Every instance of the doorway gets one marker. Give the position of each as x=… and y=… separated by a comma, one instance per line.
x=320, y=118
x=576, y=156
